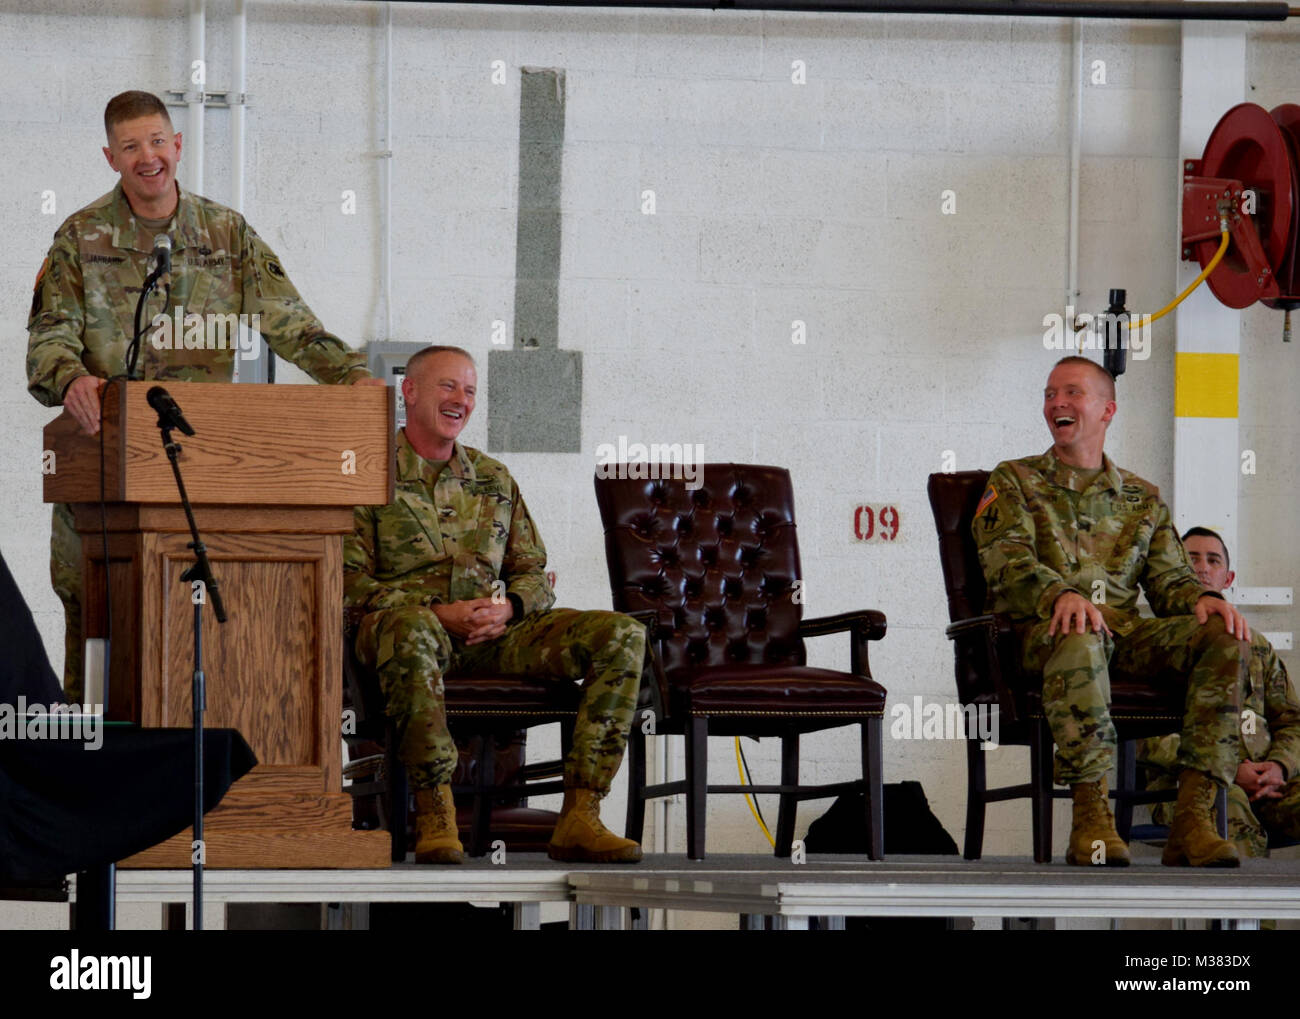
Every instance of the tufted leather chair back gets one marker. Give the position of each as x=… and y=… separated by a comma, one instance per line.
x=953, y=498
x=717, y=564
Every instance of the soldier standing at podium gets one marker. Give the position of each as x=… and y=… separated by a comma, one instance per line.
x=83, y=304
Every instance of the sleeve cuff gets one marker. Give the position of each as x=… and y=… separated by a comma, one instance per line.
x=1047, y=600
x=66, y=378
x=517, y=604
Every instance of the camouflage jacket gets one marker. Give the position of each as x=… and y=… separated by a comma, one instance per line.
x=1042, y=530
x=1271, y=732
x=445, y=537
x=83, y=307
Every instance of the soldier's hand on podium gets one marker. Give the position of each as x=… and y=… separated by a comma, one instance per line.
x=81, y=400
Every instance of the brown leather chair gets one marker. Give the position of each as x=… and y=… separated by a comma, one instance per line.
x=714, y=572
x=987, y=654
x=488, y=716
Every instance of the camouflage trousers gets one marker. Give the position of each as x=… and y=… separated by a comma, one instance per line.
x=65, y=576
x=1076, y=691
x=411, y=651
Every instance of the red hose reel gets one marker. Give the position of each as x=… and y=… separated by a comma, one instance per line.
x=1250, y=177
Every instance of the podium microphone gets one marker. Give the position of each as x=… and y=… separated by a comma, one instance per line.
x=162, y=259
x=169, y=414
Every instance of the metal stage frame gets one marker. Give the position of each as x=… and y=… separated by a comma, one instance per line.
x=815, y=894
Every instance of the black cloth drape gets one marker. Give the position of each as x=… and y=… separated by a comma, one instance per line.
x=24, y=667
x=65, y=807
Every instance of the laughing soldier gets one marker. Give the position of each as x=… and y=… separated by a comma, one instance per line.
x=1065, y=540
x=452, y=576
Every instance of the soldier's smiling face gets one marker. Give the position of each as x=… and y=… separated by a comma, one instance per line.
x=1077, y=408
x=440, y=398
x=145, y=152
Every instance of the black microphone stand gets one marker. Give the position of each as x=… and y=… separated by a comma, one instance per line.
x=150, y=284
x=202, y=572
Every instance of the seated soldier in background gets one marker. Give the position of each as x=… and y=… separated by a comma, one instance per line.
x=452, y=576
x=1264, y=800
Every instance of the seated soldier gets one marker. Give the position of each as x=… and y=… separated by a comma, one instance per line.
x=1264, y=800
x=1065, y=539
x=452, y=576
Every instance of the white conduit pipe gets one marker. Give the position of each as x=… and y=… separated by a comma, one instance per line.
x=386, y=154
x=1076, y=144
x=198, y=68
x=239, y=84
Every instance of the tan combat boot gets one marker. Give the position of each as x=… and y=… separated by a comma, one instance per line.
x=1093, y=822
x=1193, y=841
x=580, y=837
x=435, y=827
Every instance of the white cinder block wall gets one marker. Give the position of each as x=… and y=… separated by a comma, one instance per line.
x=775, y=202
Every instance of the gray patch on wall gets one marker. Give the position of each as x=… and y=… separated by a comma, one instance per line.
x=535, y=388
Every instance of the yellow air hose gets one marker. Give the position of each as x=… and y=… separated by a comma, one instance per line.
x=1137, y=320
x=748, y=799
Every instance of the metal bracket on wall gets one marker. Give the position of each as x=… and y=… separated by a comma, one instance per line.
x=214, y=98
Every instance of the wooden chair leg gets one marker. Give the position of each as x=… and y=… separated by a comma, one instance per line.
x=1040, y=766
x=636, y=776
x=481, y=816
x=697, y=777
x=398, y=796
x=976, y=805
x=789, y=805
x=873, y=758
x=1125, y=784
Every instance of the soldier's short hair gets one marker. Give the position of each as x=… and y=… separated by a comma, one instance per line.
x=1108, y=382
x=427, y=352
x=132, y=106
x=1205, y=532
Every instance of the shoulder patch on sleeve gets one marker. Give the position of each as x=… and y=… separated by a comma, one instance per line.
x=988, y=499
x=37, y=303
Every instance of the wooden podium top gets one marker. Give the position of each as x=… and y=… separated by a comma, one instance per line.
x=253, y=445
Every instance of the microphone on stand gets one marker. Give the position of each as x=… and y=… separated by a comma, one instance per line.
x=162, y=259
x=162, y=271
x=169, y=414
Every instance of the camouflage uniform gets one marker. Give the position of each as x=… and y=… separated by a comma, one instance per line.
x=1043, y=529
x=82, y=320
x=459, y=533
x=1270, y=717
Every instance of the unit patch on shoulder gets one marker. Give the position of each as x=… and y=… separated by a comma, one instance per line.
x=273, y=267
x=36, y=288
x=988, y=499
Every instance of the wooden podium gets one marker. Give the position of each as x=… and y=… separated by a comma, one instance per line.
x=273, y=473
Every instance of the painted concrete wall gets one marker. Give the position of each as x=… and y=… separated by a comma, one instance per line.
x=799, y=167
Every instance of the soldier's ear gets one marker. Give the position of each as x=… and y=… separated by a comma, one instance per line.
x=1109, y=412
x=108, y=154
